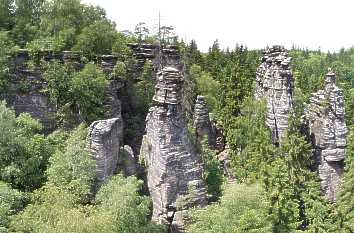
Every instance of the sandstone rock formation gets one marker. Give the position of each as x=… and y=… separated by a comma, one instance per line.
x=201, y=122
x=26, y=95
x=326, y=117
x=26, y=87
x=274, y=82
x=127, y=161
x=174, y=170
x=103, y=143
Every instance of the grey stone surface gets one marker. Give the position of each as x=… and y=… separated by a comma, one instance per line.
x=31, y=100
x=326, y=116
x=127, y=161
x=174, y=169
x=274, y=82
x=201, y=122
x=103, y=143
x=37, y=103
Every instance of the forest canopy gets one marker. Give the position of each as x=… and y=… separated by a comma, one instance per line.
x=46, y=179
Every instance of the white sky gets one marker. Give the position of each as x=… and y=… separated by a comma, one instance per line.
x=328, y=24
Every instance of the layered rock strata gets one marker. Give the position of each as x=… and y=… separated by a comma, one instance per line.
x=26, y=92
x=326, y=117
x=274, y=83
x=103, y=143
x=201, y=122
x=174, y=169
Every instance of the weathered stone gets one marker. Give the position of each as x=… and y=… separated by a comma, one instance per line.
x=326, y=116
x=26, y=95
x=274, y=82
x=127, y=161
x=174, y=169
x=36, y=102
x=201, y=122
x=225, y=162
x=103, y=143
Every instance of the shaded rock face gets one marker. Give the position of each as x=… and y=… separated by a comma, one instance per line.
x=103, y=143
x=35, y=102
x=26, y=95
x=274, y=82
x=326, y=116
x=127, y=161
x=201, y=122
x=174, y=170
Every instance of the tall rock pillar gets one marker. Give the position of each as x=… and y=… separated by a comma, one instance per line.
x=174, y=170
x=274, y=83
x=326, y=117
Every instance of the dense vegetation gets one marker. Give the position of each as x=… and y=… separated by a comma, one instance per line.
x=46, y=180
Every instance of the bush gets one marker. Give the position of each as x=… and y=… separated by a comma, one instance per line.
x=242, y=208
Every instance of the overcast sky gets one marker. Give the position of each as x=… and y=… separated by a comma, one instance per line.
x=328, y=24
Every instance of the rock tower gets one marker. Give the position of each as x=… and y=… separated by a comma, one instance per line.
x=174, y=169
x=326, y=116
x=274, y=83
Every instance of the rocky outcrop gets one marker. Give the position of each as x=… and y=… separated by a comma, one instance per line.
x=201, y=122
x=174, y=170
x=166, y=56
x=274, y=83
x=103, y=143
x=326, y=117
x=26, y=95
x=26, y=92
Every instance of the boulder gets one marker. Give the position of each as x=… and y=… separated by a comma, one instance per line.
x=103, y=143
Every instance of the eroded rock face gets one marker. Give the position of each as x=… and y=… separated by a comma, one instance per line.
x=103, y=142
x=326, y=116
x=274, y=82
x=174, y=170
x=26, y=95
x=201, y=122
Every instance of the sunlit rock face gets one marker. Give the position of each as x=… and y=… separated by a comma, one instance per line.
x=201, y=122
x=103, y=142
x=274, y=83
x=174, y=169
x=326, y=116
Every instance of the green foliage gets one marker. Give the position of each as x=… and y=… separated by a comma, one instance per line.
x=345, y=198
x=119, y=203
x=206, y=86
x=120, y=70
x=249, y=140
x=292, y=189
x=140, y=93
x=96, y=39
x=120, y=46
x=144, y=89
x=88, y=89
x=72, y=168
x=6, y=14
x=11, y=202
x=5, y=46
x=242, y=208
x=118, y=209
x=23, y=152
x=58, y=78
x=213, y=175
